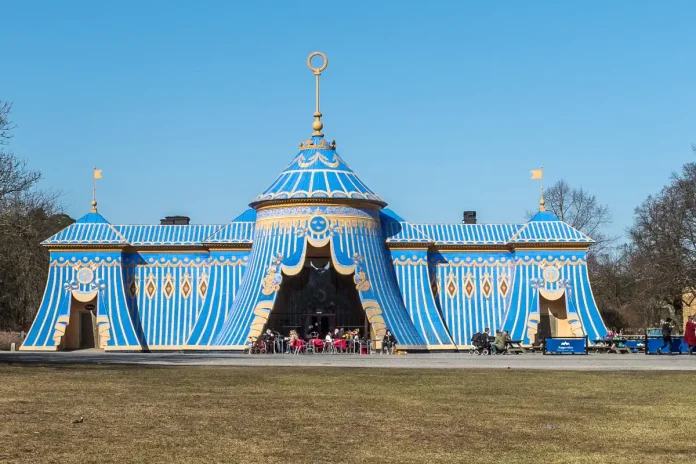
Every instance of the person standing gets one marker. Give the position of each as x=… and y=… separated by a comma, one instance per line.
x=690, y=334
x=666, y=336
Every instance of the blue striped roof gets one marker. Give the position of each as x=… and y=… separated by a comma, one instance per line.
x=470, y=234
x=317, y=173
x=90, y=229
x=167, y=235
x=397, y=230
x=549, y=232
x=87, y=234
x=234, y=232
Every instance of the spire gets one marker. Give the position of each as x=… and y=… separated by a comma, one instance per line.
x=317, y=125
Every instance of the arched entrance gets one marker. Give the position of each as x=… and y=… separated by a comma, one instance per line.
x=553, y=318
x=81, y=332
x=317, y=299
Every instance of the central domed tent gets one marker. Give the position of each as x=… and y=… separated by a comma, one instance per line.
x=319, y=206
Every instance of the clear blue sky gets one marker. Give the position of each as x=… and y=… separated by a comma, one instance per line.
x=194, y=107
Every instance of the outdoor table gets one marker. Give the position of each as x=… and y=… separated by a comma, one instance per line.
x=618, y=346
x=612, y=345
x=341, y=344
x=602, y=345
x=514, y=346
x=366, y=347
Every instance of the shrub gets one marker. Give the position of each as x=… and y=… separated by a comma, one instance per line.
x=7, y=338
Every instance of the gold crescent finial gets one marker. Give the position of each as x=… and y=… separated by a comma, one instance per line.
x=317, y=125
x=322, y=67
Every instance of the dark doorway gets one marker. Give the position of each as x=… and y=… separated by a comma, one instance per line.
x=318, y=297
x=86, y=330
x=543, y=328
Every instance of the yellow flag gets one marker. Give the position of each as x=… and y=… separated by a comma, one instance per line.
x=537, y=174
x=97, y=173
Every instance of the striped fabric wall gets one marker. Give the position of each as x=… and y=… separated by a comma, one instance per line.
x=271, y=248
x=375, y=259
x=473, y=290
x=226, y=272
x=167, y=291
x=411, y=268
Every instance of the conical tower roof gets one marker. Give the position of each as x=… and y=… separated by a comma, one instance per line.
x=317, y=172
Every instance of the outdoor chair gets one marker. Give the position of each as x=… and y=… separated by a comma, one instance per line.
x=328, y=348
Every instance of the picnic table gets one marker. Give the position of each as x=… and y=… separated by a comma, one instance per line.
x=514, y=346
x=612, y=345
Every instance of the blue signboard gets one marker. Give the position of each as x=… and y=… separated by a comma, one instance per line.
x=565, y=345
x=678, y=346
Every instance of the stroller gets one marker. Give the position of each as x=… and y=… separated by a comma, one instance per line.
x=482, y=345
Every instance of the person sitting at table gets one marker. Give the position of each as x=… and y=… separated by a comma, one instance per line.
x=388, y=342
x=355, y=339
x=293, y=340
x=500, y=343
x=268, y=338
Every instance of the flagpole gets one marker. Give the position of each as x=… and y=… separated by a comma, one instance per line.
x=94, y=190
x=542, y=202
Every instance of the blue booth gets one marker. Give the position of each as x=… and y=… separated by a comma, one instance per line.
x=654, y=343
x=565, y=345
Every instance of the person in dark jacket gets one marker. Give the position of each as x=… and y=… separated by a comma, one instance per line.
x=690, y=334
x=666, y=336
x=389, y=342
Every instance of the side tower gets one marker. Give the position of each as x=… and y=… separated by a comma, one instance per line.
x=318, y=258
x=551, y=293
x=84, y=304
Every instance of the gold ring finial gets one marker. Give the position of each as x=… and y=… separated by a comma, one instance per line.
x=317, y=125
x=318, y=70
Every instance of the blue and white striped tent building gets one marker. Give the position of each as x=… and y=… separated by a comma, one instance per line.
x=213, y=287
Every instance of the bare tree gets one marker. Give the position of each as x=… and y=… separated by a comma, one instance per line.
x=664, y=240
x=581, y=210
x=28, y=215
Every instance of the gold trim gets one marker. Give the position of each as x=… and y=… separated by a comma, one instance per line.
x=556, y=246
x=230, y=246
x=451, y=346
x=124, y=348
x=491, y=248
x=38, y=348
x=410, y=246
x=287, y=202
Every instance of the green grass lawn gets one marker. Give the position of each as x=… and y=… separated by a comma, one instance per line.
x=224, y=414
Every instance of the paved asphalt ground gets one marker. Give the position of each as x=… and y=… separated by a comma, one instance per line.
x=592, y=362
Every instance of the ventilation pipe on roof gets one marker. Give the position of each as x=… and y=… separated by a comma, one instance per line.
x=469, y=217
x=175, y=221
